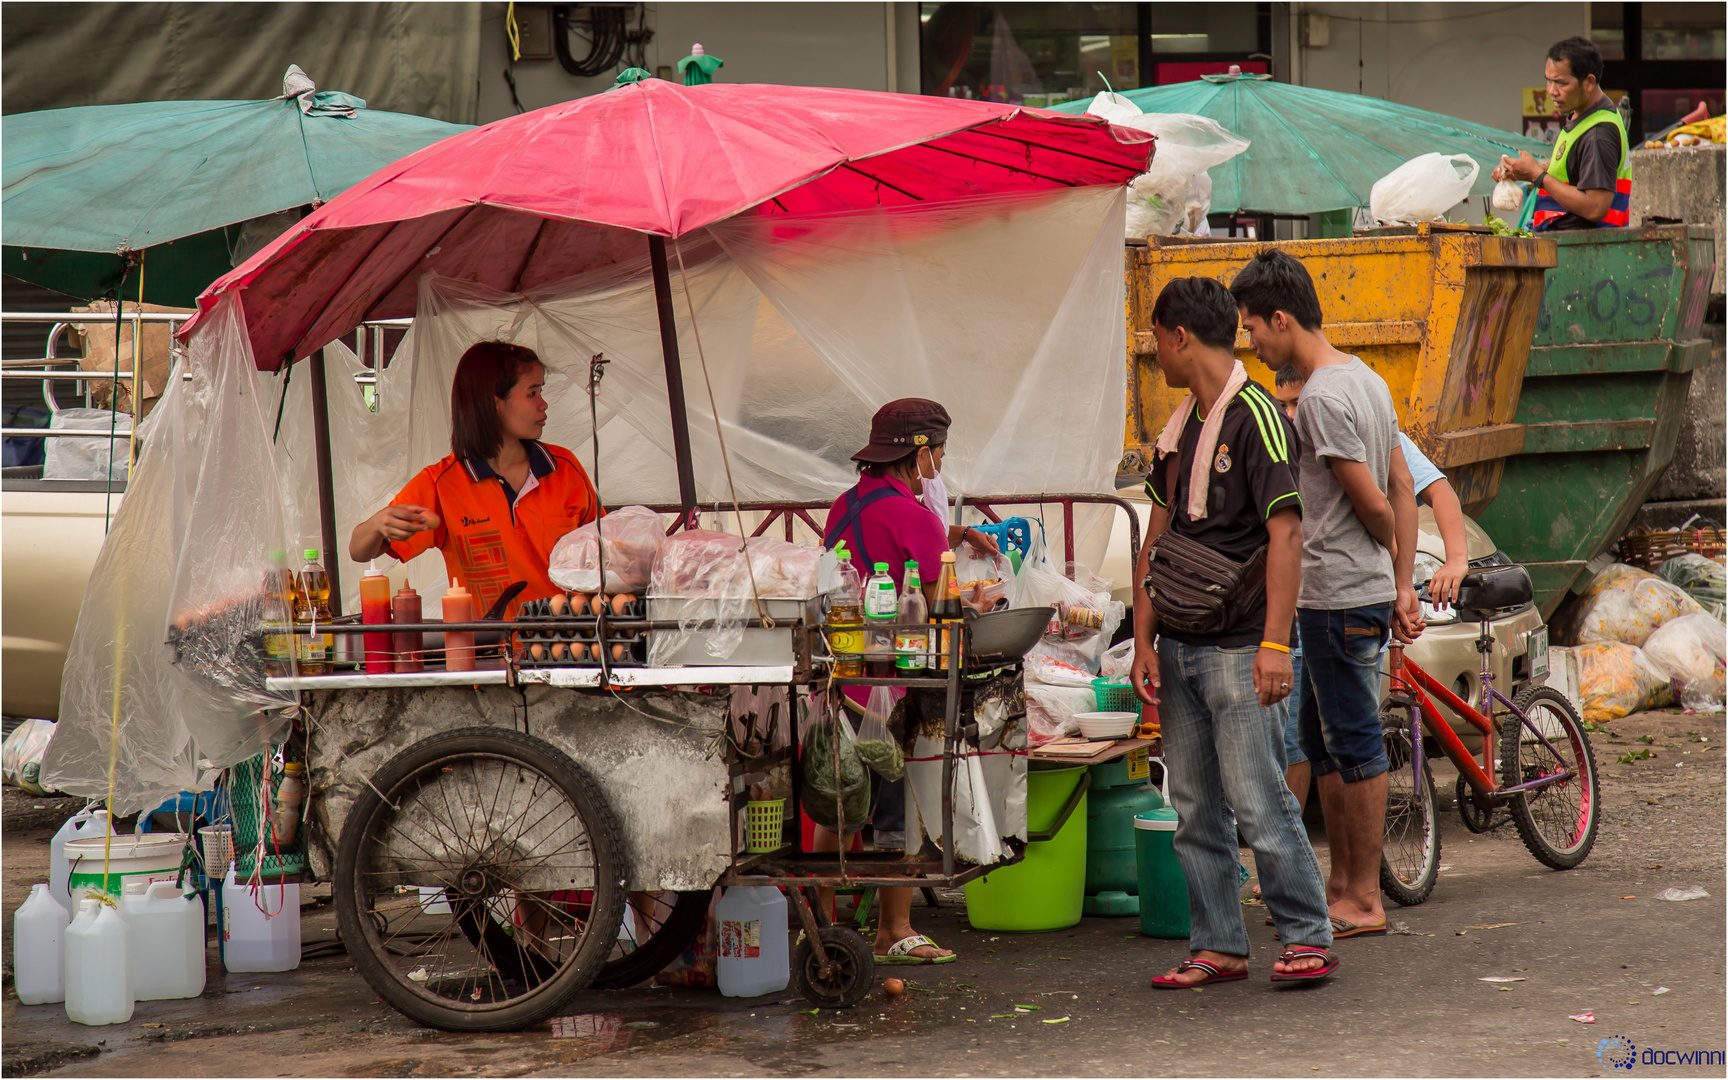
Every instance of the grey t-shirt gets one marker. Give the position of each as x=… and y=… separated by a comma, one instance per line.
x=1345, y=413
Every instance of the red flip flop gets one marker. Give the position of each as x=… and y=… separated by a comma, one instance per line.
x=1301, y=952
x=1214, y=974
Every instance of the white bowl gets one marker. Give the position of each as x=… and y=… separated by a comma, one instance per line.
x=1107, y=725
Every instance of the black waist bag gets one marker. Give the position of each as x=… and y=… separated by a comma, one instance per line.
x=1194, y=589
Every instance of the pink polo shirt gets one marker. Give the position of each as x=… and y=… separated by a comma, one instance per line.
x=897, y=530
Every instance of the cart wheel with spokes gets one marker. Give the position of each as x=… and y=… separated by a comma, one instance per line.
x=851, y=969
x=455, y=873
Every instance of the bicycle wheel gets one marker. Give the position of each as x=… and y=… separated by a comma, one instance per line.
x=455, y=874
x=659, y=927
x=1557, y=822
x=1410, y=848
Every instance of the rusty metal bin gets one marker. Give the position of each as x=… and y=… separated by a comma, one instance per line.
x=1604, y=395
x=1444, y=315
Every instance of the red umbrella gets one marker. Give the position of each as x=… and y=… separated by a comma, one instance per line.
x=548, y=194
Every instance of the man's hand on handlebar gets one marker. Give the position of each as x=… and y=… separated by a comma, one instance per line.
x=1442, y=588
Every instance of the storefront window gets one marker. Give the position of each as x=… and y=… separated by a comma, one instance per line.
x=1665, y=107
x=1608, y=30
x=1205, y=28
x=1683, y=32
x=1034, y=54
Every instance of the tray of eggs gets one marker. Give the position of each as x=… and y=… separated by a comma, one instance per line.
x=578, y=645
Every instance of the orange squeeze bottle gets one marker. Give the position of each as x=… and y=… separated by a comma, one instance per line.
x=405, y=608
x=375, y=608
x=458, y=644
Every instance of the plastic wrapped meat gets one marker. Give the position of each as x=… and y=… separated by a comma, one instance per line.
x=633, y=536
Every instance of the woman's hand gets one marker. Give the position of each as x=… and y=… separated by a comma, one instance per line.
x=981, y=542
x=401, y=522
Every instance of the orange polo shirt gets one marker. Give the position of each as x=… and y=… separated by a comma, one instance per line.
x=491, y=535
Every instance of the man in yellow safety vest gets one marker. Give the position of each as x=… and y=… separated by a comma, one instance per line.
x=1587, y=183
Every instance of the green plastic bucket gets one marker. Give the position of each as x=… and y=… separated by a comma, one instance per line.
x=1120, y=790
x=142, y=857
x=1163, y=887
x=1045, y=890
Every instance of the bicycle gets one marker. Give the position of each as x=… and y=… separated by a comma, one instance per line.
x=1547, y=770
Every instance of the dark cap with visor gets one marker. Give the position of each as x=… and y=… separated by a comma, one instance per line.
x=902, y=426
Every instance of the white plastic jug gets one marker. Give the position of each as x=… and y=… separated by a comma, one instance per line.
x=755, y=957
x=82, y=824
x=260, y=930
x=167, y=941
x=38, y=936
x=98, y=966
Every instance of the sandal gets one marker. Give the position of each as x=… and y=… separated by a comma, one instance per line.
x=1302, y=952
x=1214, y=974
x=901, y=952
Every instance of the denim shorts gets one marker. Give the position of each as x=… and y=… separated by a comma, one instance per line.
x=1293, y=754
x=1339, y=711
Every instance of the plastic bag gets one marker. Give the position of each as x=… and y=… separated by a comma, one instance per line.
x=93, y=458
x=987, y=578
x=876, y=744
x=1616, y=680
x=783, y=570
x=708, y=572
x=1688, y=650
x=1117, y=660
x=1706, y=694
x=21, y=757
x=1170, y=197
x=633, y=535
x=1050, y=710
x=1085, y=618
x=1054, y=665
x=1422, y=189
x=1705, y=580
x=1508, y=196
x=825, y=784
x=1626, y=604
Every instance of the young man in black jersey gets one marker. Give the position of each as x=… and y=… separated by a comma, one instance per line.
x=1224, y=477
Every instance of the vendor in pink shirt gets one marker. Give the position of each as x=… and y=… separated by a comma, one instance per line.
x=897, y=513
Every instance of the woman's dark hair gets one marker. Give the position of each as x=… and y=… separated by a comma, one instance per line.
x=485, y=376
x=1273, y=281
x=1203, y=305
x=1582, y=57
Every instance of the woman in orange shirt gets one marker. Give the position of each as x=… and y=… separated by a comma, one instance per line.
x=495, y=506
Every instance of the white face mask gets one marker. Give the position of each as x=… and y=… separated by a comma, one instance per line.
x=935, y=493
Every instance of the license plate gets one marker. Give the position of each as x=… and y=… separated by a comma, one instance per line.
x=1537, y=645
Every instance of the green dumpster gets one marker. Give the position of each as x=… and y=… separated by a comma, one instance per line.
x=1603, y=396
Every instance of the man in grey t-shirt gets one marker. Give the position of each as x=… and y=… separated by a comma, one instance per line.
x=1358, y=553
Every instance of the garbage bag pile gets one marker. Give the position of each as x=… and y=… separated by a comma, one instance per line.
x=1645, y=641
x=1175, y=195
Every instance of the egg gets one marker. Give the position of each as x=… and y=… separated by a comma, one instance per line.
x=558, y=651
x=618, y=653
x=558, y=604
x=893, y=987
x=579, y=603
x=598, y=603
x=537, y=651
x=622, y=602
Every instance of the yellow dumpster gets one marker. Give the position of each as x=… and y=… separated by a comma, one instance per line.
x=1444, y=314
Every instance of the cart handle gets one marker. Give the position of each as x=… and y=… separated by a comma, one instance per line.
x=1045, y=835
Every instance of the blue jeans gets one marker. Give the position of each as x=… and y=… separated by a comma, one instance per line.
x=1340, y=704
x=1221, y=744
x=1293, y=754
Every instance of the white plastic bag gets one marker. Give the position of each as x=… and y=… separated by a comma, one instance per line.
x=986, y=579
x=1422, y=189
x=1687, y=649
x=876, y=744
x=1616, y=680
x=632, y=534
x=1171, y=196
x=1050, y=710
x=21, y=759
x=1508, y=196
x=1117, y=660
x=93, y=458
x=1626, y=604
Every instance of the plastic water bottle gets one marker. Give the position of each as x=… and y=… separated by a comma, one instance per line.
x=167, y=941
x=98, y=966
x=754, y=955
x=260, y=940
x=881, y=605
x=82, y=824
x=38, y=938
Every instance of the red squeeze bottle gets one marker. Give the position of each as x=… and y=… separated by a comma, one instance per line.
x=458, y=644
x=375, y=608
x=405, y=608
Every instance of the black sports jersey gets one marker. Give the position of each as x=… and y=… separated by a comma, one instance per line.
x=1253, y=476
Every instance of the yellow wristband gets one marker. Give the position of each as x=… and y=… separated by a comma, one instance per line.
x=1274, y=645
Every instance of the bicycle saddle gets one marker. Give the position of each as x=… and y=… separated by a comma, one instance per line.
x=1484, y=593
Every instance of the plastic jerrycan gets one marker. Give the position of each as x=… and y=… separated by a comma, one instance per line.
x=754, y=955
x=167, y=941
x=1163, y=887
x=38, y=942
x=98, y=966
x=82, y=824
x=262, y=932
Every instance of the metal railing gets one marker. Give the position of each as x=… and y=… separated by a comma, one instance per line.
x=53, y=368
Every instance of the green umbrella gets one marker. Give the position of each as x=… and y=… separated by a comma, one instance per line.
x=698, y=68
x=89, y=191
x=1318, y=150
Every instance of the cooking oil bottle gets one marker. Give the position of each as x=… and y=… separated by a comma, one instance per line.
x=846, y=619
x=312, y=609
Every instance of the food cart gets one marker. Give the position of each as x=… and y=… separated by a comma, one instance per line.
x=496, y=832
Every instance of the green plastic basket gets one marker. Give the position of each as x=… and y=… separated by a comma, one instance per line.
x=243, y=798
x=1115, y=696
x=766, y=823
